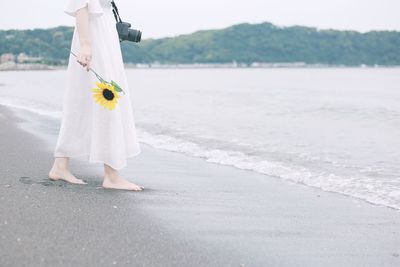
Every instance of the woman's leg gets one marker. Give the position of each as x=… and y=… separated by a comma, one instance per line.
x=114, y=181
x=60, y=171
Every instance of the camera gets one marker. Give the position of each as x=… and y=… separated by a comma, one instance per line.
x=127, y=34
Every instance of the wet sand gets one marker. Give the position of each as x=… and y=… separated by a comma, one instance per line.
x=191, y=213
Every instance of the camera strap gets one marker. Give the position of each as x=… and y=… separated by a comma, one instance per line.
x=115, y=12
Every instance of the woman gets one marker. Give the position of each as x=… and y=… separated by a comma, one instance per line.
x=87, y=128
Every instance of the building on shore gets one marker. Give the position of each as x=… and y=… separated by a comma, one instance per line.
x=7, y=57
x=9, y=61
x=24, y=58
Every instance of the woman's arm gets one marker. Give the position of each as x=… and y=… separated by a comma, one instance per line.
x=82, y=25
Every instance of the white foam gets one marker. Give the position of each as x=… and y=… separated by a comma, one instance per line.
x=31, y=106
x=373, y=191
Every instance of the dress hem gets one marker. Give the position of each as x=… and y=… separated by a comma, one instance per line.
x=100, y=161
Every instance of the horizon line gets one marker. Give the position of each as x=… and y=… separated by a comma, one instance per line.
x=226, y=27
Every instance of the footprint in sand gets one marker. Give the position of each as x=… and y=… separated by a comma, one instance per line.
x=30, y=181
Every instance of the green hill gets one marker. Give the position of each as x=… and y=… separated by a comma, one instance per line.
x=243, y=43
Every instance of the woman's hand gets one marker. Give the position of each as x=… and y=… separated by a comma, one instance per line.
x=85, y=56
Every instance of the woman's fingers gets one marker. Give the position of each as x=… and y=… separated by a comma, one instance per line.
x=84, y=61
x=85, y=56
x=87, y=61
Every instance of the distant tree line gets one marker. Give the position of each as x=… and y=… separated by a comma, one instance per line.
x=243, y=43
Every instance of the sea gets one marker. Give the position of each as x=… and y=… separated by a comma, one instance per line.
x=336, y=129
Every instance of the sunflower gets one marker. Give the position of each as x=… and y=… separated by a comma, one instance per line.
x=106, y=95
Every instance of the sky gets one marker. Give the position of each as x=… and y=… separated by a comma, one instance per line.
x=162, y=18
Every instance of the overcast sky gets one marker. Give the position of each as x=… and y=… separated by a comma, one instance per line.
x=159, y=18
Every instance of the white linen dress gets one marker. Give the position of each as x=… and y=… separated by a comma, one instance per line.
x=87, y=128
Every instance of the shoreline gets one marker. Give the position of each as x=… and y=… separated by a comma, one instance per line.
x=44, y=67
x=177, y=146
x=192, y=213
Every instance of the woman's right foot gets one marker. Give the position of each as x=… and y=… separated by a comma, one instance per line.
x=119, y=183
x=65, y=175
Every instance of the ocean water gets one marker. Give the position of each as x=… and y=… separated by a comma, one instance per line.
x=335, y=129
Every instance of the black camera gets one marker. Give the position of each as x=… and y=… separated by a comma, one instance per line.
x=127, y=34
x=124, y=30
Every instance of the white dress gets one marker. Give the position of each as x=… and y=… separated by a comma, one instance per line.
x=87, y=128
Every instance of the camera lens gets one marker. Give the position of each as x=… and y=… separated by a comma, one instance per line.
x=134, y=35
x=139, y=36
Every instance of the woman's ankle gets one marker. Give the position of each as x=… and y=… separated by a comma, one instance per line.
x=111, y=177
x=61, y=164
x=110, y=173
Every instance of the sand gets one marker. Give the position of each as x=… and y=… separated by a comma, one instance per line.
x=191, y=213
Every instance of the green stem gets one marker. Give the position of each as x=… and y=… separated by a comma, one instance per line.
x=92, y=70
x=95, y=73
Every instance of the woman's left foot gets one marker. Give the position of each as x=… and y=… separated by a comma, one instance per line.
x=56, y=174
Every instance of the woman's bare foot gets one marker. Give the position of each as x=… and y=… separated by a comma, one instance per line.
x=112, y=180
x=119, y=183
x=60, y=171
x=64, y=175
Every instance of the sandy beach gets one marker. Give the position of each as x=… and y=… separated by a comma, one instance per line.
x=191, y=213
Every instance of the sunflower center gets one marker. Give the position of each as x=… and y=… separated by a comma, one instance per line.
x=108, y=94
